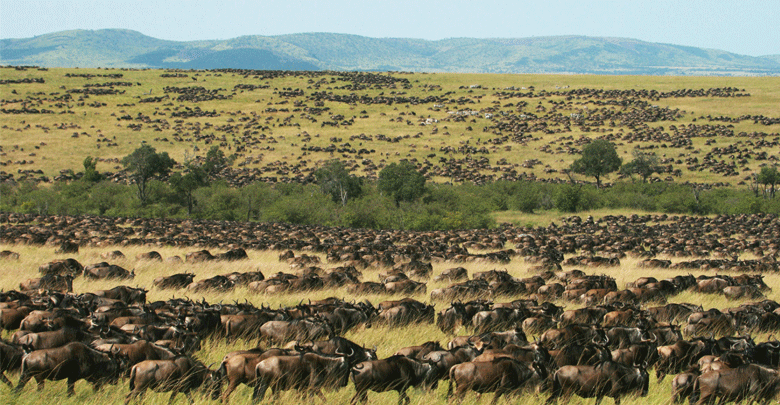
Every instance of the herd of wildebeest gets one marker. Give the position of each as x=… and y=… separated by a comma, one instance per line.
x=470, y=134
x=520, y=337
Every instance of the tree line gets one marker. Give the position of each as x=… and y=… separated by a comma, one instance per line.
x=400, y=198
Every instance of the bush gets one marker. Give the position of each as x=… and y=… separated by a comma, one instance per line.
x=567, y=198
x=527, y=198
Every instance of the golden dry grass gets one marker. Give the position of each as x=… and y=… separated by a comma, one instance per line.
x=387, y=339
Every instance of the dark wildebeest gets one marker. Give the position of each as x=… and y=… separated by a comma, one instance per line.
x=338, y=345
x=128, y=295
x=302, y=329
x=10, y=359
x=419, y=351
x=307, y=373
x=682, y=386
x=11, y=318
x=70, y=332
x=54, y=282
x=607, y=378
x=502, y=375
x=395, y=373
x=445, y=359
x=74, y=361
x=747, y=382
x=180, y=280
x=104, y=270
x=181, y=374
x=138, y=351
x=681, y=355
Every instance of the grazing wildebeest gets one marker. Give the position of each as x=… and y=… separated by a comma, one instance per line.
x=74, y=361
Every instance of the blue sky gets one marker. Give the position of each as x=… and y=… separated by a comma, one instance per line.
x=747, y=27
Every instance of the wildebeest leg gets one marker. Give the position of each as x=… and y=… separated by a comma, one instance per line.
x=5, y=379
x=189, y=397
x=320, y=395
x=133, y=394
x=229, y=390
x=259, y=392
x=361, y=395
x=599, y=398
x=23, y=380
x=172, y=397
x=498, y=395
x=71, y=387
x=403, y=399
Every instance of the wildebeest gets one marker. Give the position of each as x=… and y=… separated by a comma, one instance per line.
x=10, y=359
x=62, y=267
x=682, y=385
x=303, y=329
x=138, y=351
x=70, y=332
x=338, y=345
x=502, y=376
x=180, y=374
x=54, y=282
x=419, y=351
x=606, y=378
x=11, y=318
x=238, y=367
x=681, y=355
x=307, y=372
x=74, y=361
x=104, y=270
x=180, y=280
x=395, y=373
x=747, y=382
x=128, y=295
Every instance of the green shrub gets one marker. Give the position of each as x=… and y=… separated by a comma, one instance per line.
x=567, y=198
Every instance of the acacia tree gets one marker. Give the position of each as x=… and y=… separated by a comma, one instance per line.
x=643, y=165
x=334, y=179
x=402, y=181
x=598, y=159
x=186, y=184
x=769, y=176
x=215, y=161
x=145, y=163
x=91, y=175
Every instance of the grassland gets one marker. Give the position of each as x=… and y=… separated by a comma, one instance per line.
x=388, y=340
x=92, y=125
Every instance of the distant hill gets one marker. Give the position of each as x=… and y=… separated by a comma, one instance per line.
x=327, y=51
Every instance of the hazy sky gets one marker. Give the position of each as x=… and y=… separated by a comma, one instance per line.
x=748, y=27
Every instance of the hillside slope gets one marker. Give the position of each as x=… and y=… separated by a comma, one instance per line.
x=328, y=51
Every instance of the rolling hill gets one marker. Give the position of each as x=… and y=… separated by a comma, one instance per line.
x=328, y=51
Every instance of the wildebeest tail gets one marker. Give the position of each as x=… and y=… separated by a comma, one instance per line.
x=694, y=397
x=132, y=378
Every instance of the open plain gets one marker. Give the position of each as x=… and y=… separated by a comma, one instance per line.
x=717, y=132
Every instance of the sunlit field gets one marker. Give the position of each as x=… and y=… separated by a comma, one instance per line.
x=387, y=339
